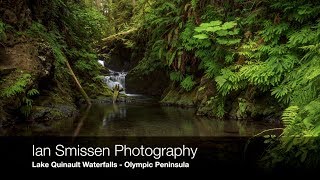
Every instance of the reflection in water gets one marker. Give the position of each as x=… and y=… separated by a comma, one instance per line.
x=147, y=120
x=117, y=113
x=155, y=120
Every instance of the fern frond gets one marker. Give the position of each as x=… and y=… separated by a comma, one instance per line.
x=188, y=83
x=33, y=92
x=17, y=87
x=289, y=115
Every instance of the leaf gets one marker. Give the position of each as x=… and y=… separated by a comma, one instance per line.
x=215, y=23
x=188, y=83
x=202, y=88
x=304, y=156
x=234, y=32
x=200, y=29
x=173, y=55
x=222, y=33
x=222, y=41
x=229, y=25
x=212, y=29
x=201, y=36
x=33, y=92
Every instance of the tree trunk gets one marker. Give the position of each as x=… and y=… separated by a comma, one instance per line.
x=84, y=94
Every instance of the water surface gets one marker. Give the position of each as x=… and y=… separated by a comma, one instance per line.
x=145, y=120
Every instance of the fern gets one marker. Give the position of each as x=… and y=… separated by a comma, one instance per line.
x=176, y=76
x=27, y=107
x=27, y=102
x=218, y=105
x=188, y=83
x=32, y=92
x=228, y=81
x=242, y=108
x=221, y=33
x=272, y=32
x=18, y=87
x=289, y=115
x=188, y=42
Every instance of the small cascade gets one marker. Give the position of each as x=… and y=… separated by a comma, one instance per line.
x=116, y=78
x=101, y=62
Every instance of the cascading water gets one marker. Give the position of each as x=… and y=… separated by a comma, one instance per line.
x=101, y=62
x=116, y=78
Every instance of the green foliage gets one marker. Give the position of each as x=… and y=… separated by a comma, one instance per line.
x=67, y=40
x=218, y=105
x=17, y=87
x=148, y=65
x=86, y=61
x=93, y=24
x=52, y=37
x=188, y=83
x=176, y=76
x=2, y=31
x=269, y=46
x=227, y=82
x=222, y=33
x=33, y=92
x=120, y=14
x=289, y=115
x=27, y=102
x=242, y=108
x=188, y=42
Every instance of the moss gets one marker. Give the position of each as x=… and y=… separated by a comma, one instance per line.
x=187, y=99
x=206, y=109
x=56, y=112
x=241, y=108
x=97, y=89
x=179, y=97
x=171, y=98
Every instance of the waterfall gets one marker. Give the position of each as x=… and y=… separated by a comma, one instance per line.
x=101, y=62
x=116, y=78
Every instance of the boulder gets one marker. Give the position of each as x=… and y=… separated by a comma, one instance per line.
x=152, y=84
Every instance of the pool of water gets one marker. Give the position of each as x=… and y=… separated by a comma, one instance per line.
x=144, y=120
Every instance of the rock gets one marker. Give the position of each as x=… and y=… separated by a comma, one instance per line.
x=152, y=84
x=206, y=89
x=205, y=97
x=9, y=17
x=178, y=97
x=6, y=71
x=57, y=112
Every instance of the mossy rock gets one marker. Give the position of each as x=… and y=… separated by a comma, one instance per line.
x=205, y=90
x=6, y=71
x=187, y=99
x=263, y=108
x=153, y=84
x=172, y=97
x=179, y=97
x=58, y=112
x=206, y=110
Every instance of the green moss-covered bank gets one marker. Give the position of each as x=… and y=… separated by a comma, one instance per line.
x=36, y=40
x=206, y=100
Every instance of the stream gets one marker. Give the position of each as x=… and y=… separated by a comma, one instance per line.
x=144, y=117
